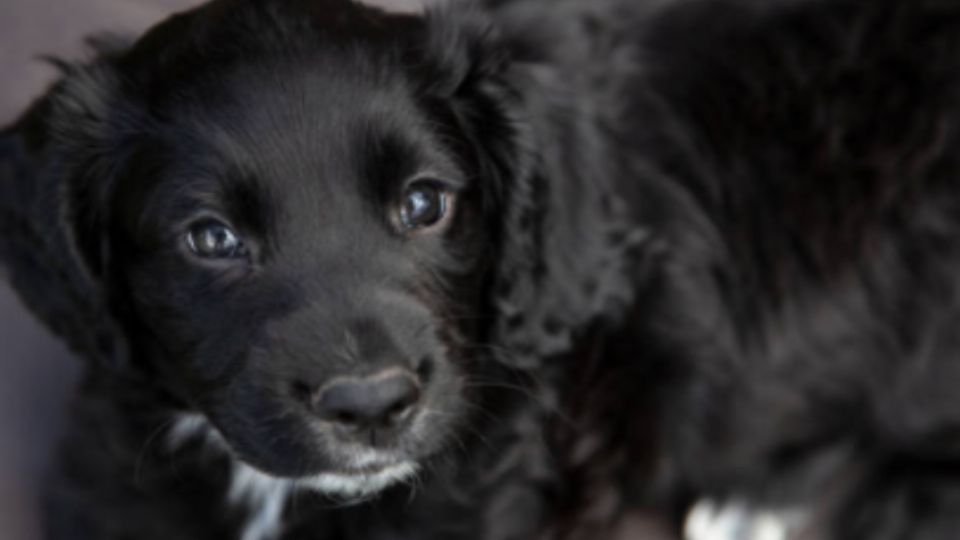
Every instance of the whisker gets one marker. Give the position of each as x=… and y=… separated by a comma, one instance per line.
x=141, y=455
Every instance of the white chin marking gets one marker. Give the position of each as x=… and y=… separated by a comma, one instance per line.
x=265, y=495
x=250, y=484
x=358, y=486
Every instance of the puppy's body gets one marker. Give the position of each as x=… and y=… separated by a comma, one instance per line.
x=811, y=285
x=694, y=250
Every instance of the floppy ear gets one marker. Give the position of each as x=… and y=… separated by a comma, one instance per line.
x=55, y=178
x=569, y=255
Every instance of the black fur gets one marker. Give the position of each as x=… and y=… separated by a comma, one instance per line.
x=700, y=248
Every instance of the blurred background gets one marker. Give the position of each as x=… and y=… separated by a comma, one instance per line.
x=37, y=374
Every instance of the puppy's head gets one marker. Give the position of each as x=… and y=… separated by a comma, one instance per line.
x=287, y=211
x=312, y=224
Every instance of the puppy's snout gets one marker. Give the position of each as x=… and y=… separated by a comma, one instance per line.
x=380, y=400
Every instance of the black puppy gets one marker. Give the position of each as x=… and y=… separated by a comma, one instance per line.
x=503, y=272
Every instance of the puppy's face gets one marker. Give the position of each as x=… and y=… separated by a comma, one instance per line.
x=297, y=250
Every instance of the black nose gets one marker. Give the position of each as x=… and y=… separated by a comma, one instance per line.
x=382, y=399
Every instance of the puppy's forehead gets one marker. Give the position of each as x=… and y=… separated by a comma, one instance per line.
x=303, y=118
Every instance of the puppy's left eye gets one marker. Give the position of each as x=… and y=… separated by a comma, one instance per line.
x=424, y=205
x=211, y=239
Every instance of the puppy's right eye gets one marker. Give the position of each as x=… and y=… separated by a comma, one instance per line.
x=424, y=205
x=211, y=239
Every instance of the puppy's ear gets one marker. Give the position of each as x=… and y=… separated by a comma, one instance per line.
x=466, y=66
x=568, y=254
x=56, y=171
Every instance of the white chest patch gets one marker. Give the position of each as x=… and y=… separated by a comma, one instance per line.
x=736, y=520
x=265, y=496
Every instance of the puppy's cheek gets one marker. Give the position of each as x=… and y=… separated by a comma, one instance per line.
x=262, y=429
x=444, y=411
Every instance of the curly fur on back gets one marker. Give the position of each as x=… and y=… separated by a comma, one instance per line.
x=722, y=265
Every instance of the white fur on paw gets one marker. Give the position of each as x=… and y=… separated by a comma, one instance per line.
x=736, y=520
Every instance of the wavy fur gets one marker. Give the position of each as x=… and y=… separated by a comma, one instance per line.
x=702, y=249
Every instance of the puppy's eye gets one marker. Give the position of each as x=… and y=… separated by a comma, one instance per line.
x=424, y=204
x=212, y=239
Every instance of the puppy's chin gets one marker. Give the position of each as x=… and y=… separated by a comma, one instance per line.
x=366, y=473
x=349, y=486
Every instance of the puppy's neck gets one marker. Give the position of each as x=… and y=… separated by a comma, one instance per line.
x=263, y=497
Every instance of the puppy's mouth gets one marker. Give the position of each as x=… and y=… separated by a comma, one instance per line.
x=363, y=474
x=358, y=484
x=346, y=485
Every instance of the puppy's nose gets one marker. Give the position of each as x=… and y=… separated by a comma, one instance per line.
x=381, y=399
